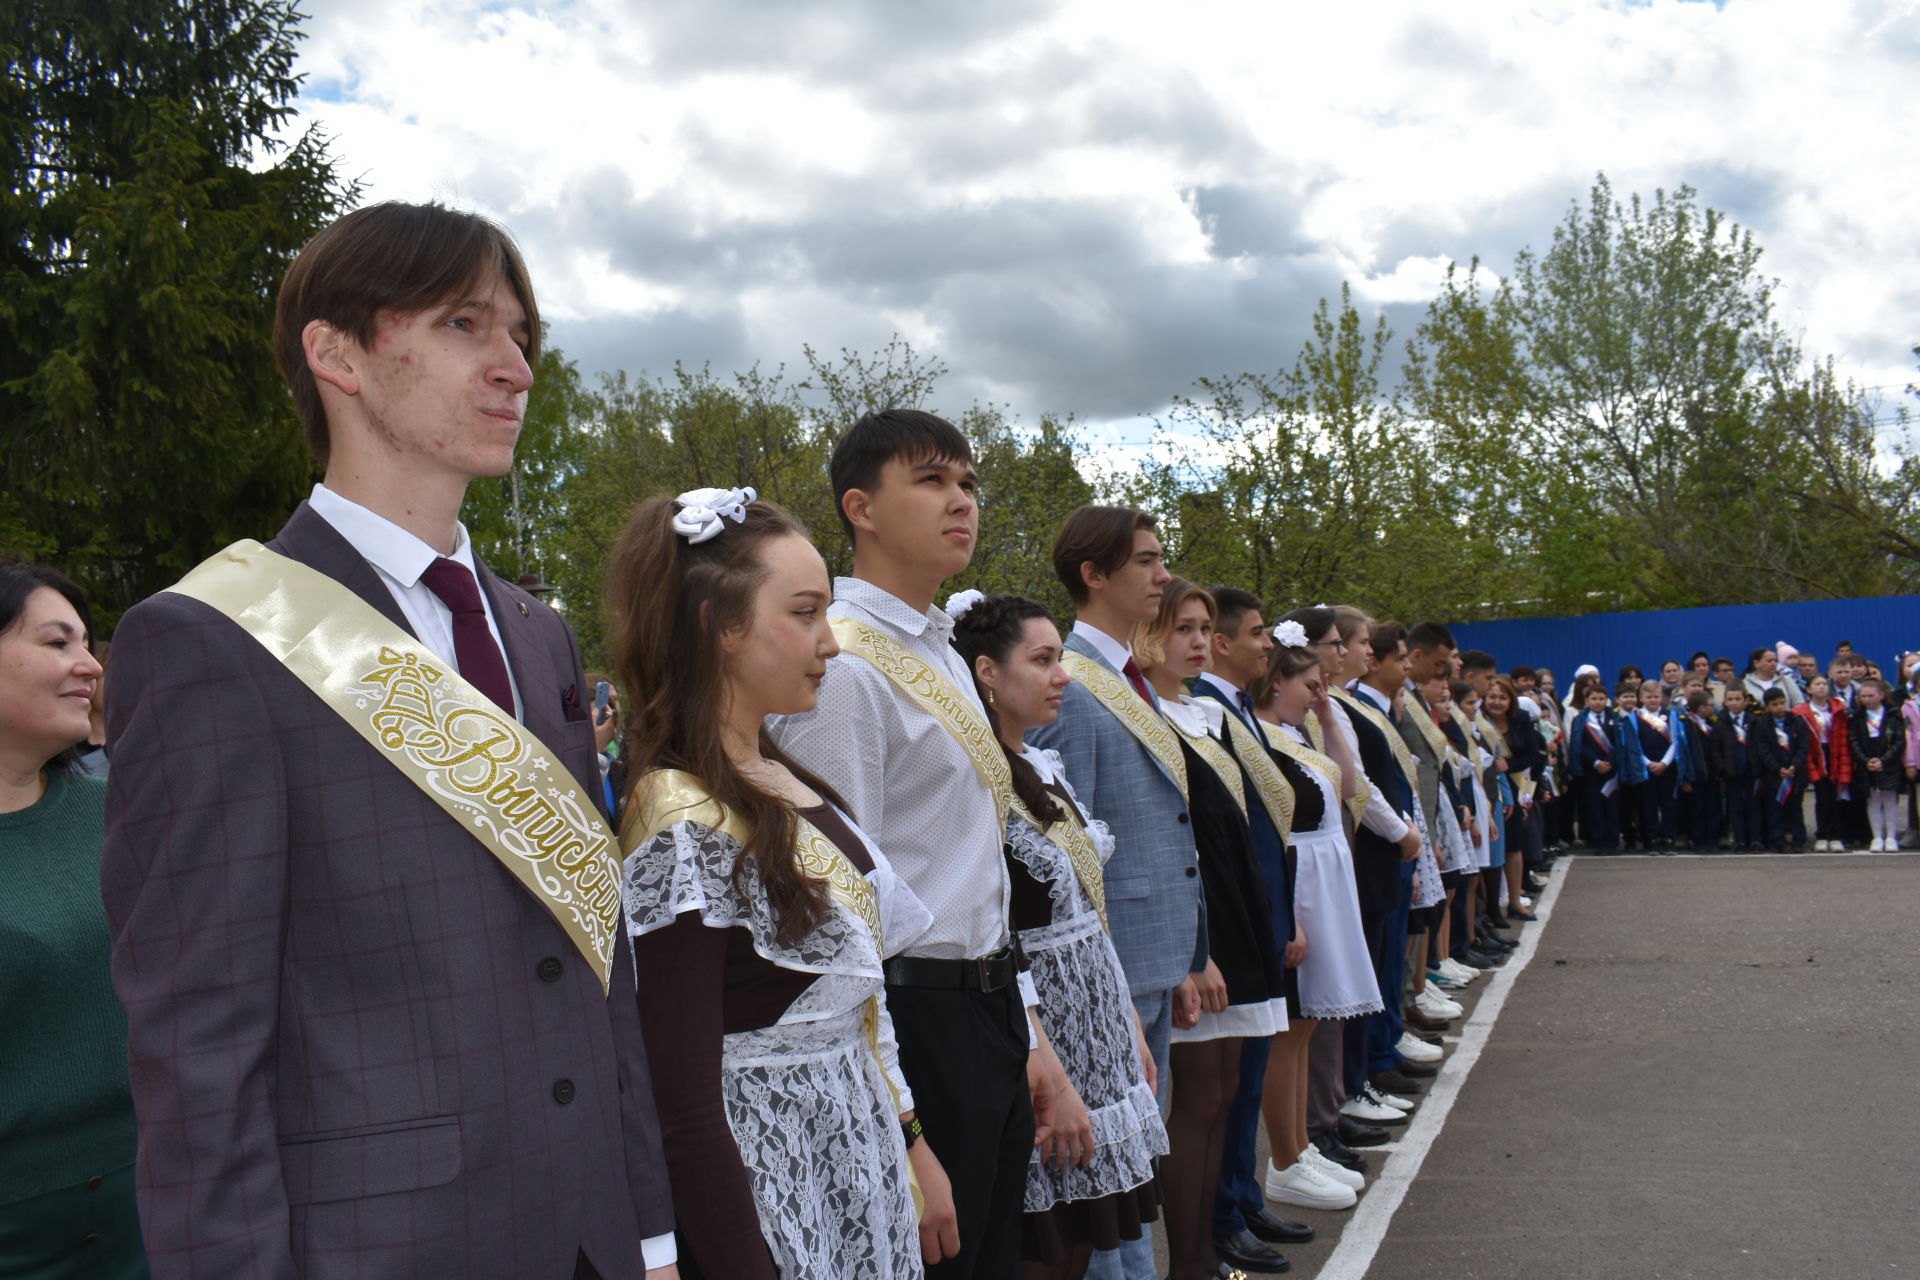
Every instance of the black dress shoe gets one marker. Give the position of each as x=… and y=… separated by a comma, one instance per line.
x=1246, y=1252
x=1418, y=1070
x=1341, y=1154
x=1516, y=913
x=1473, y=960
x=1274, y=1229
x=1353, y=1133
x=1395, y=1082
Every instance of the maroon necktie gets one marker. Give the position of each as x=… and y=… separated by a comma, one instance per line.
x=1137, y=679
x=474, y=647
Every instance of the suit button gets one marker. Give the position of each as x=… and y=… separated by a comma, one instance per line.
x=1184, y=818
x=93, y=1183
x=1193, y=871
x=550, y=969
x=89, y=1239
x=563, y=1091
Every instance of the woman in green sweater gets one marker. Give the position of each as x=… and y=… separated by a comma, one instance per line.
x=66, y=1118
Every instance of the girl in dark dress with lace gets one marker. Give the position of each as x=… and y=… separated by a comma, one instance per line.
x=1077, y=1201
x=759, y=912
x=1243, y=991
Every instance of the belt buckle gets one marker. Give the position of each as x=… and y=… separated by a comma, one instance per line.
x=983, y=965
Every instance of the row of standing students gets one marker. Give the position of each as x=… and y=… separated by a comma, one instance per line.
x=984, y=946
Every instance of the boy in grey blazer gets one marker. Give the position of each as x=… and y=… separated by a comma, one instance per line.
x=1109, y=560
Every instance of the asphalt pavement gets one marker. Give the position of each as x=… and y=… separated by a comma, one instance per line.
x=1699, y=1068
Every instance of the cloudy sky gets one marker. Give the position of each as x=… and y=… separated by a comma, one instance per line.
x=1083, y=205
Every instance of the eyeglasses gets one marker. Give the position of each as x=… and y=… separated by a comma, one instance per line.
x=1339, y=645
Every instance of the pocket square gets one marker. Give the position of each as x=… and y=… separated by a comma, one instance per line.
x=570, y=703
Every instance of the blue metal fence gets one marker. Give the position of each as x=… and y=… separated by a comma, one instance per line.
x=1880, y=627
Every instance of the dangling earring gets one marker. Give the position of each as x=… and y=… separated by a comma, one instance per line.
x=989, y=697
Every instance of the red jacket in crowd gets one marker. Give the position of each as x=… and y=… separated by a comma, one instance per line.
x=1830, y=760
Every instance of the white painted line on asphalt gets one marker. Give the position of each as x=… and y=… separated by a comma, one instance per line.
x=1361, y=1238
x=1722, y=857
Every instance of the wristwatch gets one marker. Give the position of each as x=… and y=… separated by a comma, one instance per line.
x=911, y=1131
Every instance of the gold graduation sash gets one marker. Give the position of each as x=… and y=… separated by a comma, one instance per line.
x=1276, y=793
x=1363, y=789
x=935, y=694
x=1133, y=711
x=1421, y=714
x=667, y=796
x=1378, y=719
x=1217, y=759
x=1077, y=843
x=467, y=755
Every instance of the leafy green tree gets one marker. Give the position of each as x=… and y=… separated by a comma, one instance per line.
x=1305, y=485
x=149, y=212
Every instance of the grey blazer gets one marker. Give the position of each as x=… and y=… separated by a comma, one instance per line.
x=1428, y=782
x=358, y=1046
x=1155, y=910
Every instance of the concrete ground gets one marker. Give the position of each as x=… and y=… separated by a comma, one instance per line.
x=1705, y=1069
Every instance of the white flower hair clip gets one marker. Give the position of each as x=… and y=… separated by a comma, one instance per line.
x=1290, y=633
x=961, y=601
x=703, y=512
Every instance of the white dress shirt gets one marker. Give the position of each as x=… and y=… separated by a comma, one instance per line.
x=400, y=558
x=1112, y=650
x=910, y=784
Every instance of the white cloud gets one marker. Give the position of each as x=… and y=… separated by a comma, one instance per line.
x=1083, y=206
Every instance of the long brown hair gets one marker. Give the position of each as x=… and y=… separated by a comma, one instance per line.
x=669, y=603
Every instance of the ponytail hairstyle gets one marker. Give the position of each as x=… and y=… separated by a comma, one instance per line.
x=669, y=603
x=990, y=628
x=1150, y=643
x=1284, y=662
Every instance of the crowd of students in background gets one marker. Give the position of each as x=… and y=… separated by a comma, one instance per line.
x=1779, y=756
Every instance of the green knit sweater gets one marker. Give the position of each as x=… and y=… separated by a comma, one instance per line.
x=65, y=1113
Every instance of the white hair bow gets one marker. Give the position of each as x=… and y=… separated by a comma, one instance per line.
x=702, y=511
x=1290, y=634
x=960, y=601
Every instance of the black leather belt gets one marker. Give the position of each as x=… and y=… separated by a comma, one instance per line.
x=981, y=973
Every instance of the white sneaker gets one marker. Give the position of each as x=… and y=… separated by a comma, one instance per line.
x=1457, y=971
x=1302, y=1184
x=1435, y=1005
x=1394, y=1100
x=1363, y=1108
x=1823, y=846
x=1882, y=846
x=1346, y=1177
x=1414, y=1049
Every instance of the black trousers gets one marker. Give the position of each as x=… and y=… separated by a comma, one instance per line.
x=1783, y=822
x=1703, y=813
x=1743, y=810
x=964, y=1054
x=1599, y=812
x=1657, y=802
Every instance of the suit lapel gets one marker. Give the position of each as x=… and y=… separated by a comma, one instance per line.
x=1077, y=643
x=308, y=538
